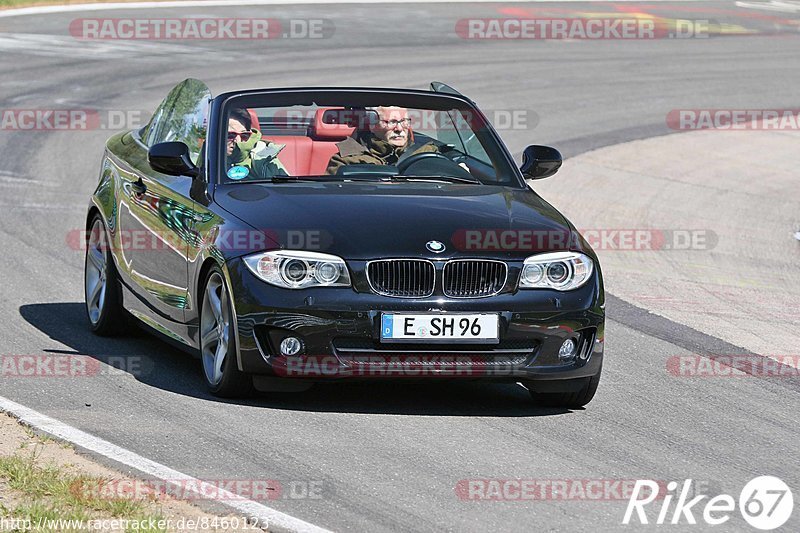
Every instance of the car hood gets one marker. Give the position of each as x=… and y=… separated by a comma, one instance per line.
x=381, y=220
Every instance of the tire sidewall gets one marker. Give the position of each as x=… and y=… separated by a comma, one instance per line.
x=107, y=322
x=232, y=378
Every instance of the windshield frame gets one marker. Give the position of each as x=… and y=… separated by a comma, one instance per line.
x=357, y=97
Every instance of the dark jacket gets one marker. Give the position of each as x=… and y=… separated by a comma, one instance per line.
x=268, y=168
x=368, y=149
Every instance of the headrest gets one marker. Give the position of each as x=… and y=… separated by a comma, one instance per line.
x=254, y=119
x=332, y=124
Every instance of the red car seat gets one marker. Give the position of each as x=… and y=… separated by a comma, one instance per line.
x=309, y=154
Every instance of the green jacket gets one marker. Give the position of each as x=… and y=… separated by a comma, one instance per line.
x=262, y=161
x=370, y=150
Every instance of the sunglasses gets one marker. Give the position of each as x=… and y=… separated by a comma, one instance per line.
x=245, y=135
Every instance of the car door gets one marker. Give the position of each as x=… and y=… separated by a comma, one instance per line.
x=155, y=210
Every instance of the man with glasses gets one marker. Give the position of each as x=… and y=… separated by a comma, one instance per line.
x=248, y=155
x=388, y=139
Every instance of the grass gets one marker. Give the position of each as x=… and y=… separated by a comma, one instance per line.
x=51, y=492
x=38, y=437
x=42, y=439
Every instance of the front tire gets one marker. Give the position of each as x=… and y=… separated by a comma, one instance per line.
x=102, y=292
x=218, y=341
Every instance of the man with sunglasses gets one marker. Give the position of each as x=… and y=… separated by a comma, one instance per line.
x=248, y=155
x=388, y=139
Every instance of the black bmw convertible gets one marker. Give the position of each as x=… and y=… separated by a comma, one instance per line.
x=291, y=236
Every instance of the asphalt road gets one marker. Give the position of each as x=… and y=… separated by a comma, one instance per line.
x=389, y=457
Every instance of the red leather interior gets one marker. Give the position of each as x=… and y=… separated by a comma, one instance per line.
x=256, y=125
x=321, y=154
x=296, y=156
x=331, y=124
x=309, y=154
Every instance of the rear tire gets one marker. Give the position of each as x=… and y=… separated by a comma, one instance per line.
x=570, y=400
x=102, y=293
x=218, y=341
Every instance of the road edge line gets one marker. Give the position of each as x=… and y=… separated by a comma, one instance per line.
x=265, y=516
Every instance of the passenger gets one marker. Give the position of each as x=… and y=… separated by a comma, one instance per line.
x=249, y=155
x=388, y=138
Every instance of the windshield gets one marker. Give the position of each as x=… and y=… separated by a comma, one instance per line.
x=392, y=141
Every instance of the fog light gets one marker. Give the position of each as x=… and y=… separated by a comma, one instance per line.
x=567, y=351
x=291, y=346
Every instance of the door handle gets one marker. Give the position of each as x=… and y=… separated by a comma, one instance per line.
x=134, y=188
x=138, y=188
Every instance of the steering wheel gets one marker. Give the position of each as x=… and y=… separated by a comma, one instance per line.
x=431, y=164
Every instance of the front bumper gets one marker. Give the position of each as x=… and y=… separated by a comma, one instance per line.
x=340, y=329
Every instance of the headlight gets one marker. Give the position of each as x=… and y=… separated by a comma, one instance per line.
x=562, y=271
x=297, y=269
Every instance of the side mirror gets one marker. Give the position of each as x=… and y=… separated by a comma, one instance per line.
x=540, y=162
x=173, y=159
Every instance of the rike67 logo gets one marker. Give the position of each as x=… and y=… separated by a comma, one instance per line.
x=766, y=503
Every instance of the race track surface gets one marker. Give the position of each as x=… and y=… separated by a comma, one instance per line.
x=390, y=456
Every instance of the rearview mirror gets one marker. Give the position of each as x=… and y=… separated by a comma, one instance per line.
x=173, y=159
x=540, y=162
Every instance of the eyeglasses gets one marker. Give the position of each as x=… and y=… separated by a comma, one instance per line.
x=245, y=135
x=403, y=122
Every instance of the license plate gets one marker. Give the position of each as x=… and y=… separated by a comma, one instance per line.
x=439, y=328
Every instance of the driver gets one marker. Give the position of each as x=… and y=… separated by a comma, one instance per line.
x=388, y=138
x=249, y=155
